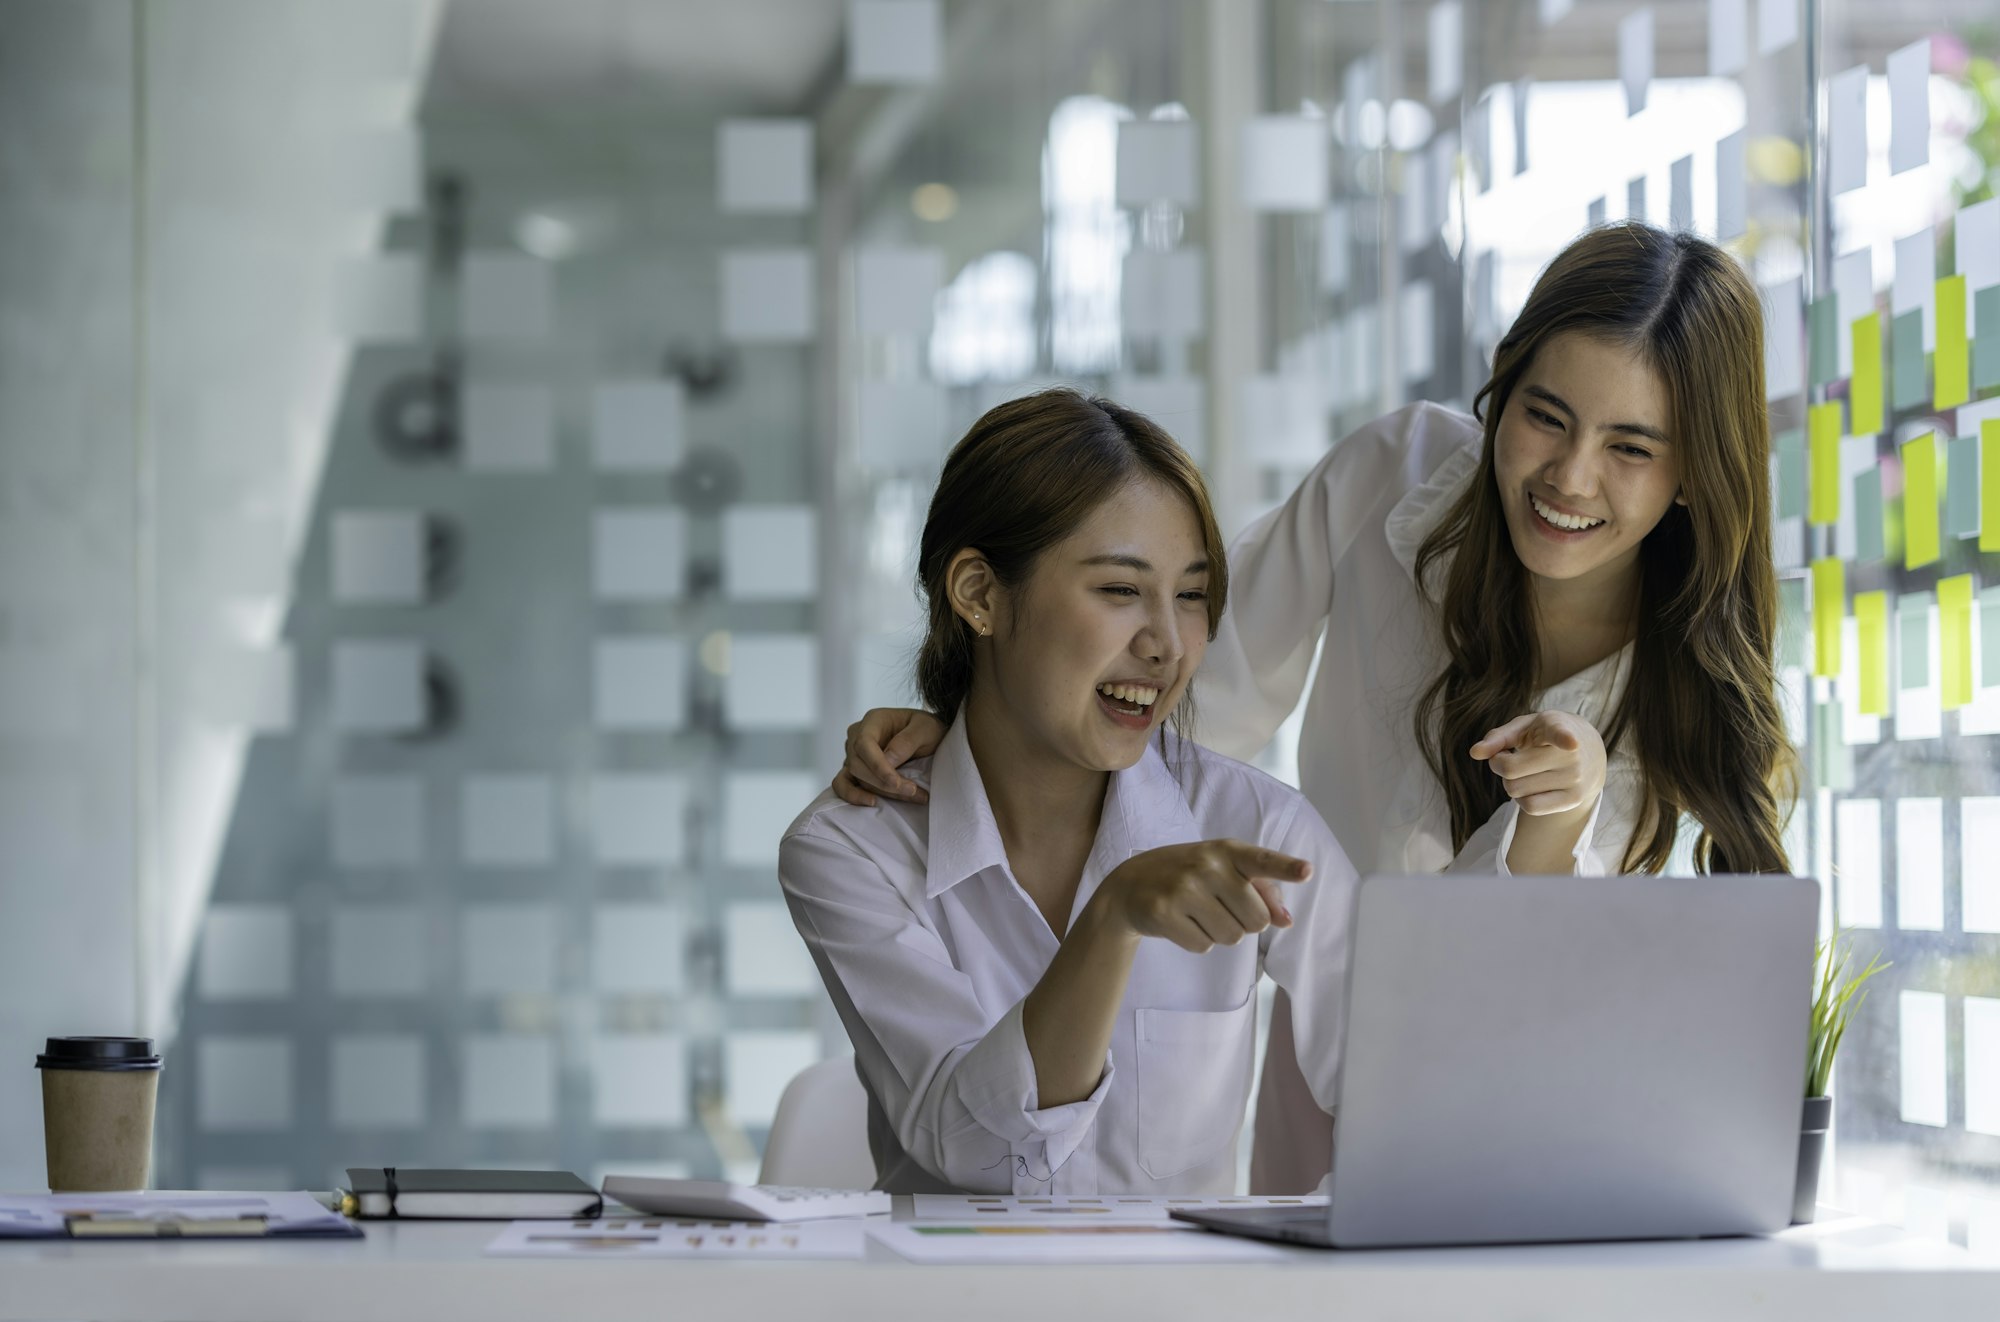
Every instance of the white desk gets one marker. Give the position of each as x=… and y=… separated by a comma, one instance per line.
x=1842, y=1268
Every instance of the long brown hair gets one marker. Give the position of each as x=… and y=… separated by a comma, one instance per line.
x=1701, y=704
x=1025, y=477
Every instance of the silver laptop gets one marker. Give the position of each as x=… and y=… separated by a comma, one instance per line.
x=1562, y=1058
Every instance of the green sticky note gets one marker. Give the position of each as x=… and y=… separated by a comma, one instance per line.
x=1906, y=361
x=1791, y=622
x=1920, y=502
x=1954, y=368
x=1955, y=640
x=1961, y=487
x=1823, y=456
x=1822, y=341
x=1829, y=591
x=1864, y=390
x=1788, y=455
x=1989, y=638
x=1871, y=627
x=1868, y=545
x=1986, y=346
x=1913, y=640
x=1989, y=484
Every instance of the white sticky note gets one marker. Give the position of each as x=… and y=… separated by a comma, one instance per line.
x=1976, y=248
x=1728, y=37
x=378, y=686
x=378, y=1081
x=246, y=952
x=507, y=949
x=639, y=1080
x=1158, y=162
x=638, y=820
x=379, y=950
x=637, y=949
x=507, y=1081
x=895, y=41
x=756, y=1067
x=1447, y=49
x=1854, y=296
x=1161, y=294
x=1635, y=198
x=764, y=165
x=757, y=806
x=637, y=426
x=767, y=295
x=896, y=289
x=1978, y=880
x=639, y=683
x=1177, y=403
x=882, y=669
x=762, y=954
x=902, y=425
x=1857, y=827
x=378, y=557
x=770, y=552
x=504, y=296
x=1784, y=339
x=1595, y=212
x=1731, y=217
x=1920, y=864
x=1910, y=106
x=1680, y=194
x=1414, y=208
x=1777, y=25
x=1982, y=1065
x=1285, y=163
x=773, y=682
x=1418, y=310
x=1284, y=421
x=638, y=554
x=240, y=688
x=1635, y=58
x=243, y=1082
x=1847, y=129
x=507, y=820
x=508, y=428
x=1920, y=1056
x=1915, y=282
x=380, y=298
x=1336, y=237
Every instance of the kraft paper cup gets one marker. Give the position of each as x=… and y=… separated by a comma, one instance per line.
x=97, y=1112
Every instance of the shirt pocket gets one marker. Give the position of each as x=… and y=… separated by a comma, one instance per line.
x=1193, y=1082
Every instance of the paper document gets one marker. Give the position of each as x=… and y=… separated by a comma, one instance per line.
x=673, y=1237
x=1104, y=1208
x=1095, y=1241
x=43, y=1215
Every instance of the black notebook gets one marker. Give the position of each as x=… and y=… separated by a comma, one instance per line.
x=387, y=1191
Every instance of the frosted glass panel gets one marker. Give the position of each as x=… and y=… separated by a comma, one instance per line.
x=637, y=949
x=639, y=554
x=770, y=552
x=766, y=165
x=378, y=1081
x=757, y=806
x=508, y=1081
x=639, y=1079
x=773, y=682
x=757, y=1066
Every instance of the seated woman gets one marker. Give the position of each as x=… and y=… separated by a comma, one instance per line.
x=1043, y=967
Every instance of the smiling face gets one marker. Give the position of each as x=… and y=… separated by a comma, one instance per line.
x=1092, y=652
x=1585, y=461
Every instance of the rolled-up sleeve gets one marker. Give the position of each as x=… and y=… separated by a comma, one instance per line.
x=956, y=1081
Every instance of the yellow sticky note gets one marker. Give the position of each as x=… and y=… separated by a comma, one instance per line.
x=1871, y=626
x=1955, y=640
x=1920, y=502
x=1823, y=463
x=1829, y=593
x=1952, y=383
x=1989, y=484
x=1864, y=391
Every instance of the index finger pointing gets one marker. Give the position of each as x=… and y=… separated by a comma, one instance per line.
x=1254, y=861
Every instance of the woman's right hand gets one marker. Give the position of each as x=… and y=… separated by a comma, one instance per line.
x=1213, y=893
x=877, y=744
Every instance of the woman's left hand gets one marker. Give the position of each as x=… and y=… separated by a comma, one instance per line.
x=1552, y=762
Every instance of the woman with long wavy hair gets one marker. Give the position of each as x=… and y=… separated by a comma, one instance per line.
x=1544, y=633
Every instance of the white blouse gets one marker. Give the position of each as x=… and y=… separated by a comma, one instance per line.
x=928, y=945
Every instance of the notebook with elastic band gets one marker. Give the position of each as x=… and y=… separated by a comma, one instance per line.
x=470, y=1195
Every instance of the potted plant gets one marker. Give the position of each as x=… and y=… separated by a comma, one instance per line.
x=1837, y=994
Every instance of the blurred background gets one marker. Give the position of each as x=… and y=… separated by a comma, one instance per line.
x=461, y=463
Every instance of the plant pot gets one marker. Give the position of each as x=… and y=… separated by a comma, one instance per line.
x=1812, y=1142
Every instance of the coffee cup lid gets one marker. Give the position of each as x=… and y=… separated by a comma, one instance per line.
x=98, y=1053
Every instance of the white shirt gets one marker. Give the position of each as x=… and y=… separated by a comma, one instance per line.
x=928, y=945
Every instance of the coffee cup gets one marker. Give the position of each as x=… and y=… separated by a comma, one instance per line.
x=97, y=1112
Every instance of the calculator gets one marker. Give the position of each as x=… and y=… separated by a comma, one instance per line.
x=718, y=1200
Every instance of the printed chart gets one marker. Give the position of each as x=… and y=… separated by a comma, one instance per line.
x=671, y=1237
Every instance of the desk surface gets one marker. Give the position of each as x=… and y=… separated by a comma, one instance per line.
x=1841, y=1268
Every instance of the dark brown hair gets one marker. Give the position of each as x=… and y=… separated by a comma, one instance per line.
x=1024, y=478
x=1701, y=705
